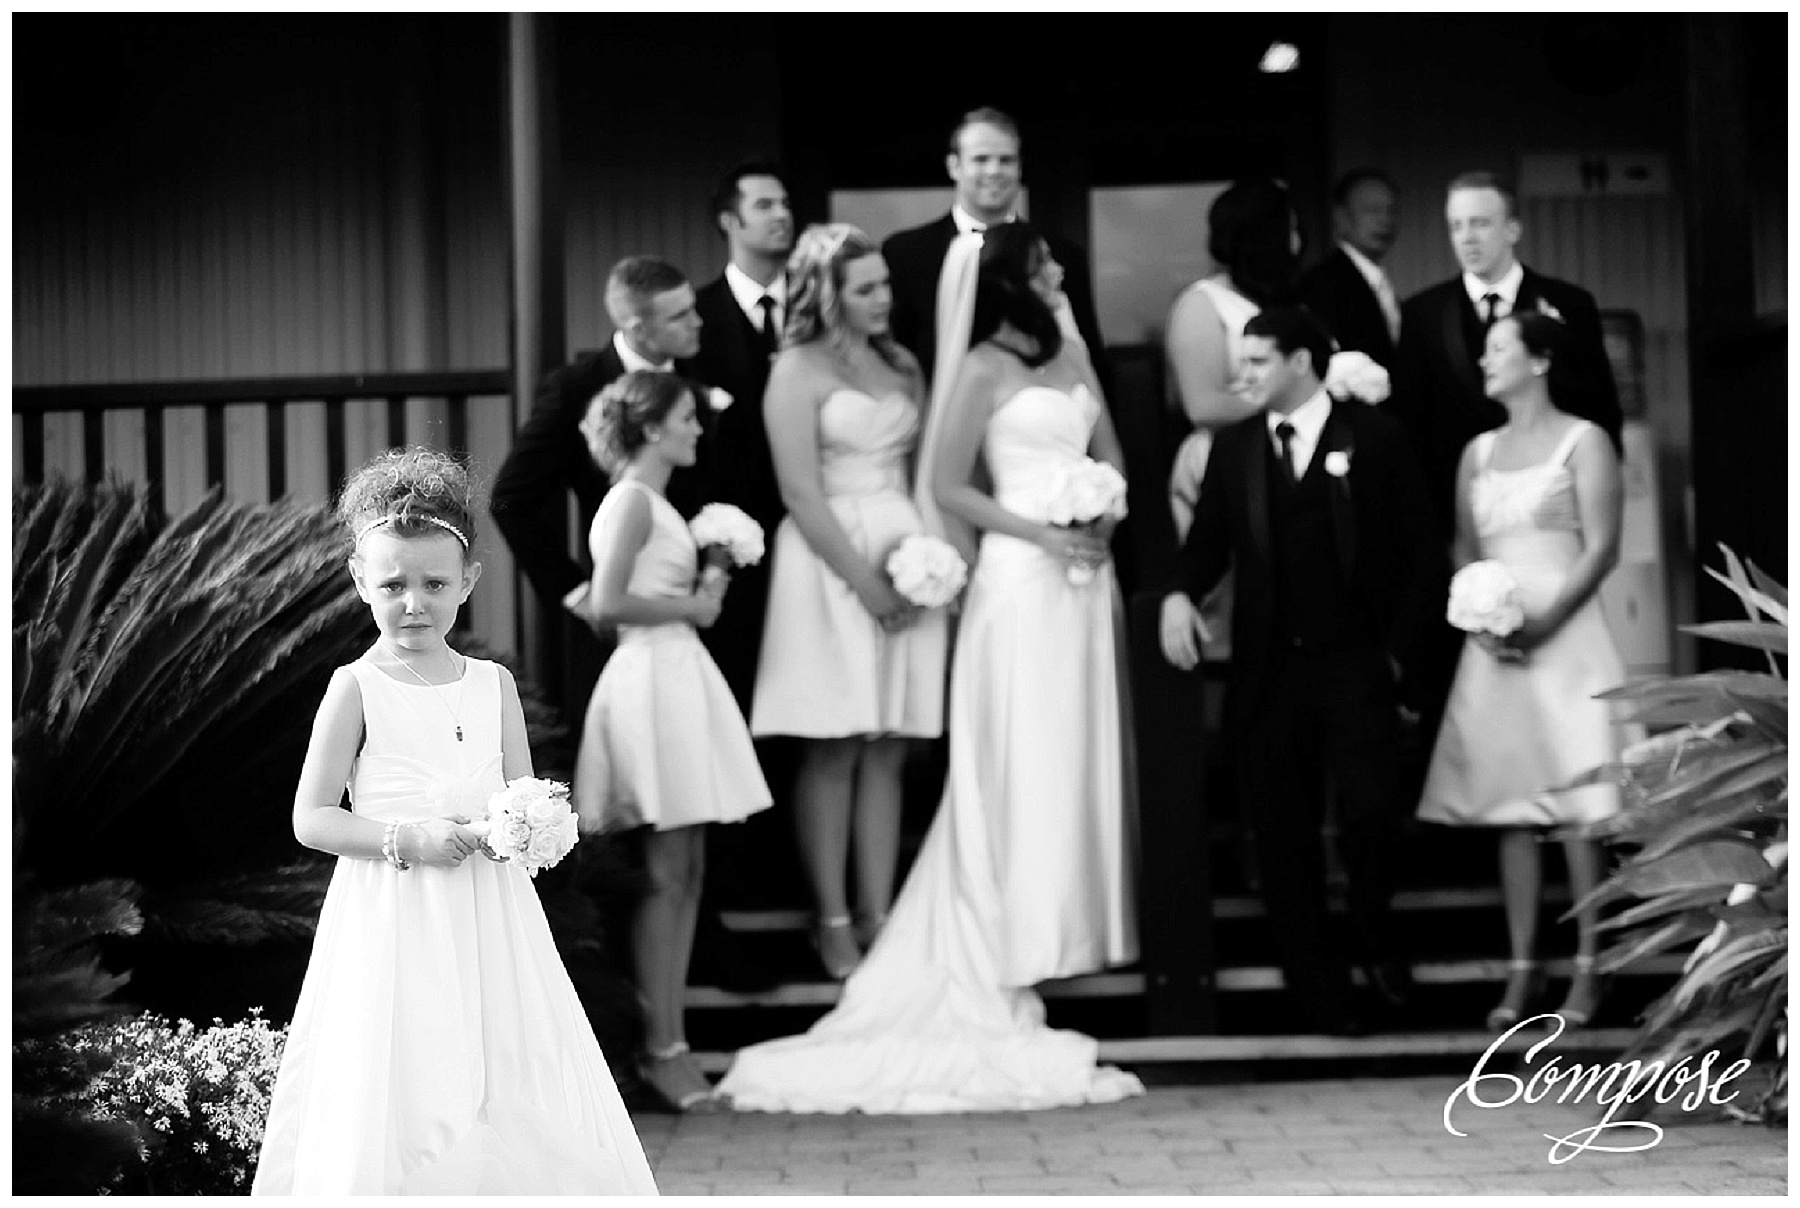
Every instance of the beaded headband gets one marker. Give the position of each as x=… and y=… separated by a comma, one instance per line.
x=370, y=527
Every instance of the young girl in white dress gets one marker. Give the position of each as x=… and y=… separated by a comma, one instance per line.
x=438, y=1046
x=664, y=744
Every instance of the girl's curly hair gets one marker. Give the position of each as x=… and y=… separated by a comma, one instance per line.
x=617, y=418
x=413, y=492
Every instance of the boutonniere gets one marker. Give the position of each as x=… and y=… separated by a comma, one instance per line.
x=1548, y=311
x=1337, y=463
x=718, y=399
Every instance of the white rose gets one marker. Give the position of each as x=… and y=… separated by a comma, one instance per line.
x=927, y=571
x=1355, y=375
x=1089, y=490
x=718, y=399
x=1337, y=463
x=544, y=810
x=1485, y=597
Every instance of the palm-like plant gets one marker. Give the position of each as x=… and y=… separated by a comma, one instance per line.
x=142, y=651
x=1706, y=810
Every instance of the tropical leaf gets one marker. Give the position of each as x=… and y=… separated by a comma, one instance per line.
x=1649, y=908
x=1754, y=600
x=1759, y=635
x=1723, y=813
x=1729, y=957
x=1768, y=586
x=1649, y=941
x=1718, y=862
x=1710, y=772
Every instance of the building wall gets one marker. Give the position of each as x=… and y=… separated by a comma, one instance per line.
x=247, y=197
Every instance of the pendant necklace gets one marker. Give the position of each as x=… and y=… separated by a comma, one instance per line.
x=462, y=681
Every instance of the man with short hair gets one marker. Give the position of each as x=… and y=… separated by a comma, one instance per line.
x=984, y=164
x=1318, y=510
x=651, y=306
x=1348, y=289
x=744, y=309
x=1438, y=381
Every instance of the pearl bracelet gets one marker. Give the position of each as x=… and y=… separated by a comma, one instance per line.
x=390, y=846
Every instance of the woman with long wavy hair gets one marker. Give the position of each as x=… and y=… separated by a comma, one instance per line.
x=848, y=666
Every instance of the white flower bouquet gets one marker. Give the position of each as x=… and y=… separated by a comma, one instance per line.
x=529, y=823
x=1085, y=492
x=1353, y=375
x=727, y=538
x=1484, y=598
x=927, y=571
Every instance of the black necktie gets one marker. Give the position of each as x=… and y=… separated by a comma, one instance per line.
x=1492, y=303
x=1284, y=440
x=771, y=338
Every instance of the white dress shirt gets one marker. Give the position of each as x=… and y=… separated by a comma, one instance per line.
x=632, y=361
x=967, y=223
x=1380, y=286
x=749, y=296
x=1309, y=422
x=1507, y=287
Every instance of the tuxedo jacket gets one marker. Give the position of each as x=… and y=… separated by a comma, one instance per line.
x=1389, y=556
x=1437, y=383
x=549, y=458
x=915, y=259
x=1339, y=294
x=734, y=358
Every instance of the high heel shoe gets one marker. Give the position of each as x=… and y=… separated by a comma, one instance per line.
x=1524, y=983
x=834, y=939
x=1578, y=1008
x=672, y=1074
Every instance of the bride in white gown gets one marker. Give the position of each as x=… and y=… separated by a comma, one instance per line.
x=1026, y=874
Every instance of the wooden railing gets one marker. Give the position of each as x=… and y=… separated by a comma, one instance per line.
x=91, y=402
x=262, y=439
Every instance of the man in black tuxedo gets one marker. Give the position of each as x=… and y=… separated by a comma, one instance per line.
x=1348, y=289
x=652, y=308
x=1319, y=511
x=983, y=163
x=743, y=310
x=1438, y=383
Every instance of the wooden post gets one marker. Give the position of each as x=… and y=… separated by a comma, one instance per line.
x=1736, y=364
x=536, y=321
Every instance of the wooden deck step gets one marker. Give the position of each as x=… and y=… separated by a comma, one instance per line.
x=1203, y=1049
x=1128, y=984
x=1410, y=901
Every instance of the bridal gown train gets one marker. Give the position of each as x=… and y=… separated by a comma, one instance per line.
x=1026, y=873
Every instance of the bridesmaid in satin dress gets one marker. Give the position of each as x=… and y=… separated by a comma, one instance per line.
x=1542, y=496
x=847, y=665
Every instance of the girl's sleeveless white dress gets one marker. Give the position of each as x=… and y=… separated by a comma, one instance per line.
x=438, y=1047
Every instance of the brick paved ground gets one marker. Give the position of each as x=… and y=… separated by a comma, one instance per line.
x=1343, y=1136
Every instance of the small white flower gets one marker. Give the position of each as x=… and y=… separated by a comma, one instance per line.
x=1548, y=311
x=1337, y=463
x=718, y=399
